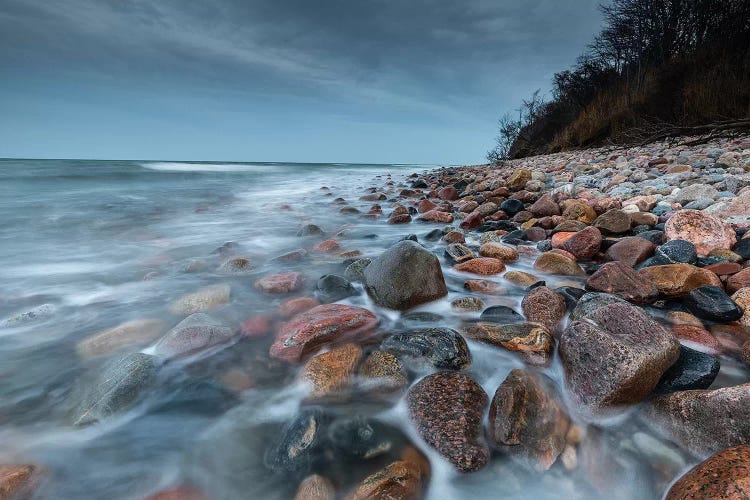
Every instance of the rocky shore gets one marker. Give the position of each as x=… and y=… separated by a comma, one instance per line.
x=616, y=281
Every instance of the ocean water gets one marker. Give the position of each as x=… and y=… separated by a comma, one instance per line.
x=88, y=245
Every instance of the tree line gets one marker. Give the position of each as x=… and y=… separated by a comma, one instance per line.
x=655, y=62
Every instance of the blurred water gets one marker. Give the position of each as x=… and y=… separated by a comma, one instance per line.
x=77, y=239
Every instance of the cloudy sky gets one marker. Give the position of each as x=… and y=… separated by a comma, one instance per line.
x=402, y=81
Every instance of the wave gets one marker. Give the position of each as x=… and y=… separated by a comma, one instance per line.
x=207, y=167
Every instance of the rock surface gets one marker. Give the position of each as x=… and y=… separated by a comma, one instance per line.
x=723, y=475
x=619, y=279
x=405, y=276
x=447, y=409
x=705, y=231
x=196, y=332
x=532, y=341
x=442, y=347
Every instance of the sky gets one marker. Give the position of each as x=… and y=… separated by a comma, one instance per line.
x=361, y=81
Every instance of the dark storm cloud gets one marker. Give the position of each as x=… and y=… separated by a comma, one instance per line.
x=443, y=59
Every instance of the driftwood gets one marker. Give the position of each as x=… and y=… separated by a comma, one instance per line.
x=704, y=133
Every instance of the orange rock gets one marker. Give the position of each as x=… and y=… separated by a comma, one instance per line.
x=558, y=239
x=484, y=286
x=724, y=475
x=16, y=481
x=673, y=280
x=482, y=265
x=400, y=480
x=704, y=231
x=326, y=246
x=330, y=373
x=499, y=251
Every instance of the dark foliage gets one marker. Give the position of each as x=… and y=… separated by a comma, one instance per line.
x=656, y=65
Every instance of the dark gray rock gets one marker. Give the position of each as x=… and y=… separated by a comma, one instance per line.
x=332, y=288
x=501, y=314
x=713, y=304
x=405, y=276
x=678, y=252
x=442, y=347
x=299, y=446
x=692, y=370
x=356, y=270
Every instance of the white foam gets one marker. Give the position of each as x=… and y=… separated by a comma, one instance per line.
x=207, y=167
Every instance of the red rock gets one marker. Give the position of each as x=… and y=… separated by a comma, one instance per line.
x=326, y=246
x=564, y=253
x=631, y=251
x=454, y=237
x=399, y=219
x=257, y=326
x=448, y=193
x=330, y=374
x=619, y=279
x=436, y=216
x=545, y=306
x=559, y=239
x=482, y=265
x=307, y=332
x=704, y=231
x=724, y=475
x=472, y=221
x=281, y=283
x=724, y=268
x=544, y=207
x=584, y=244
x=398, y=481
x=697, y=335
x=293, y=307
x=424, y=206
x=739, y=280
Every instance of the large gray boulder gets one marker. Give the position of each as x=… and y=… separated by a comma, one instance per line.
x=405, y=276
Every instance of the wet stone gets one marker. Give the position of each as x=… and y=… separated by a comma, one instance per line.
x=356, y=270
x=315, y=487
x=713, y=304
x=17, y=481
x=447, y=409
x=692, y=370
x=281, y=283
x=544, y=305
x=678, y=252
x=484, y=266
x=614, y=221
x=531, y=341
x=332, y=288
x=467, y=304
x=555, y=263
x=203, y=300
x=571, y=295
x=405, y=276
x=443, y=348
x=383, y=370
x=398, y=481
x=128, y=334
x=723, y=475
x=299, y=445
x=705, y=231
x=117, y=386
x=619, y=279
x=330, y=374
x=631, y=251
x=527, y=417
x=501, y=314
x=457, y=253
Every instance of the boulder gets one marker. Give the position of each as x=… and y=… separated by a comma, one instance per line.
x=554, y=263
x=332, y=288
x=405, y=276
x=703, y=421
x=631, y=251
x=619, y=279
x=674, y=280
x=484, y=266
x=692, y=370
x=528, y=418
x=613, y=221
x=723, y=475
x=447, y=409
x=583, y=244
x=705, y=231
x=443, y=348
x=615, y=355
x=713, y=304
x=307, y=332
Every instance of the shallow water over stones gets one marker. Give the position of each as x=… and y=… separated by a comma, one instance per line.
x=386, y=392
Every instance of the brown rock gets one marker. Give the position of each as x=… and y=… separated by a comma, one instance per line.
x=725, y=475
x=327, y=246
x=704, y=231
x=697, y=334
x=532, y=341
x=472, y=221
x=673, y=280
x=614, y=221
x=559, y=238
x=448, y=409
x=618, y=279
x=631, y=251
x=383, y=370
x=583, y=244
x=398, y=481
x=16, y=481
x=724, y=268
x=454, y=237
x=436, y=216
x=315, y=487
x=499, y=251
x=544, y=305
x=399, y=219
x=544, y=207
x=578, y=210
x=424, y=206
x=307, y=332
x=448, y=193
x=555, y=263
x=527, y=417
x=329, y=374
x=643, y=219
x=742, y=299
x=739, y=280
x=521, y=278
x=467, y=304
x=281, y=282
x=482, y=265
x=518, y=179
